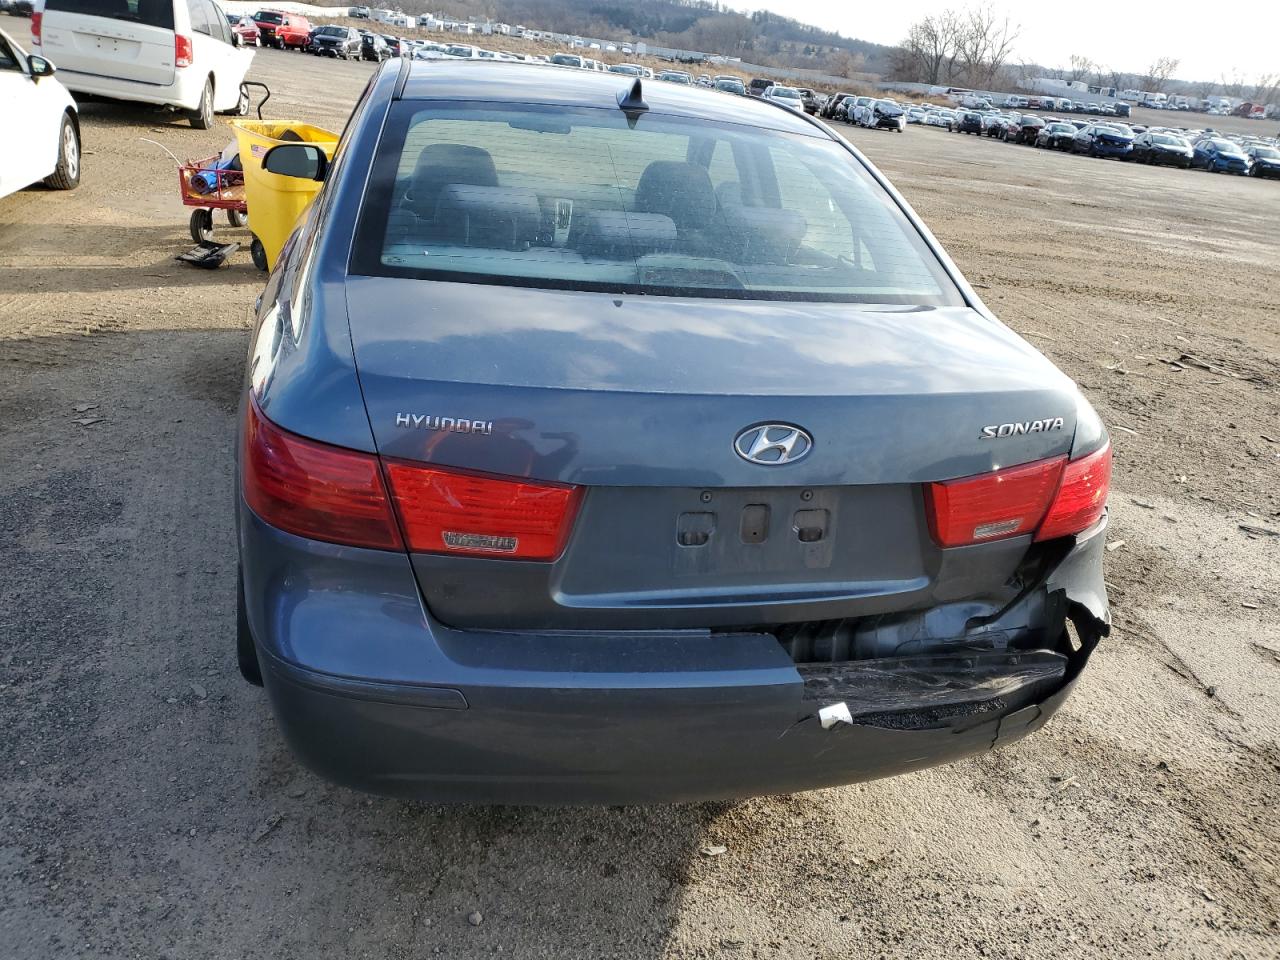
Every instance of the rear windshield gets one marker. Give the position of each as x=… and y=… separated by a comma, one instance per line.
x=134, y=11
x=579, y=199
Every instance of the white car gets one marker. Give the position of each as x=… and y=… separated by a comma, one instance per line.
x=34, y=104
x=175, y=53
x=786, y=96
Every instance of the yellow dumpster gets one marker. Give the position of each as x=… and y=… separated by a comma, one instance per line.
x=275, y=201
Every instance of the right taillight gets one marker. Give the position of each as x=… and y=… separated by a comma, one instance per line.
x=1081, y=497
x=37, y=19
x=315, y=490
x=1048, y=498
x=182, y=52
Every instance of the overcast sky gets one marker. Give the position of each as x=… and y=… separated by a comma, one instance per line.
x=1126, y=35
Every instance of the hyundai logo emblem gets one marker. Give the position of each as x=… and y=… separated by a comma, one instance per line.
x=773, y=444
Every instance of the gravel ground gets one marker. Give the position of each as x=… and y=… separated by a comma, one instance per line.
x=149, y=808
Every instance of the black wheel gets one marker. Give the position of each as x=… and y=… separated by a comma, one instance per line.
x=202, y=116
x=237, y=219
x=201, y=225
x=67, y=173
x=258, y=254
x=246, y=649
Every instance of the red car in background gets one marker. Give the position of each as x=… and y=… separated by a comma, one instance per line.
x=283, y=30
x=245, y=30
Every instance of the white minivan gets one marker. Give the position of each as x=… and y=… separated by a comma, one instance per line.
x=174, y=53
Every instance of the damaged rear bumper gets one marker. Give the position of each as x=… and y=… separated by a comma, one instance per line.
x=371, y=692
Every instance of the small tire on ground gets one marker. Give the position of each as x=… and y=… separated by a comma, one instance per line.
x=66, y=175
x=246, y=649
x=201, y=225
x=241, y=108
x=259, y=254
x=238, y=218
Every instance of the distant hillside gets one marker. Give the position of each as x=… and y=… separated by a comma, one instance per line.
x=761, y=37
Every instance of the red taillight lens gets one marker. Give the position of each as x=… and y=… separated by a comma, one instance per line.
x=1050, y=498
x=182, y=54
x=1081, y=498
x=314, y=490
x=443, y=511
x=35, y=27
x=1005, y=503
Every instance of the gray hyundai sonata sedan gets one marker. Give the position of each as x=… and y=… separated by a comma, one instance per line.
x=609, y=443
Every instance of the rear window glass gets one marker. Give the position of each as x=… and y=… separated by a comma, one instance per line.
x=579, y=199
x=134, y=11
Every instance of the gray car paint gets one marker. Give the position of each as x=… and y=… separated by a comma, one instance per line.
x=373, y=690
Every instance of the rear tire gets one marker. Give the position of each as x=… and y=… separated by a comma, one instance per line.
x=202, y=116
x=246, y=649
x=237, y=219
x=66, y=175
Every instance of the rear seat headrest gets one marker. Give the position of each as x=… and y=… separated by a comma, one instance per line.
x=762, y=234
x=505, y=217
x=679, y=190
x=440, y=164
x=618, y=234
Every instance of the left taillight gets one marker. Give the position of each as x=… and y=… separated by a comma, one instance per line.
x=1048, y=498
x=313, y=489
x=468, y=514
x=37, y=19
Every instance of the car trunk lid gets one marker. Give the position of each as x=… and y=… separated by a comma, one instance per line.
x=640, y=400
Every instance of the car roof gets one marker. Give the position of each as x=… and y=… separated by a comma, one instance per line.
x=538, y=83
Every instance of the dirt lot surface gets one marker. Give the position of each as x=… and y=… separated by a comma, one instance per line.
x=149, y=808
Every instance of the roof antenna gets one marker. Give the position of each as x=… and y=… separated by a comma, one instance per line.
x=631, y=102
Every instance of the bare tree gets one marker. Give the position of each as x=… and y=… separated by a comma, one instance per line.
x=1233, y=85
x=1266, y=89
x=929, y=51
x=1204, y=88
x=848, y=65
x=986, y=42
x=1159, y=74
x=1081, y=67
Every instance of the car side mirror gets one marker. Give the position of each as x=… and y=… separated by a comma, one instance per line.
x=40, y=67
x=304, y=161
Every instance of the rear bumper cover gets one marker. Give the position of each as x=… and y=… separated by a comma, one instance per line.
x=370, y=692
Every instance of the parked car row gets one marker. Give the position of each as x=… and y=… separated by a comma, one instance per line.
x=1165, y=146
